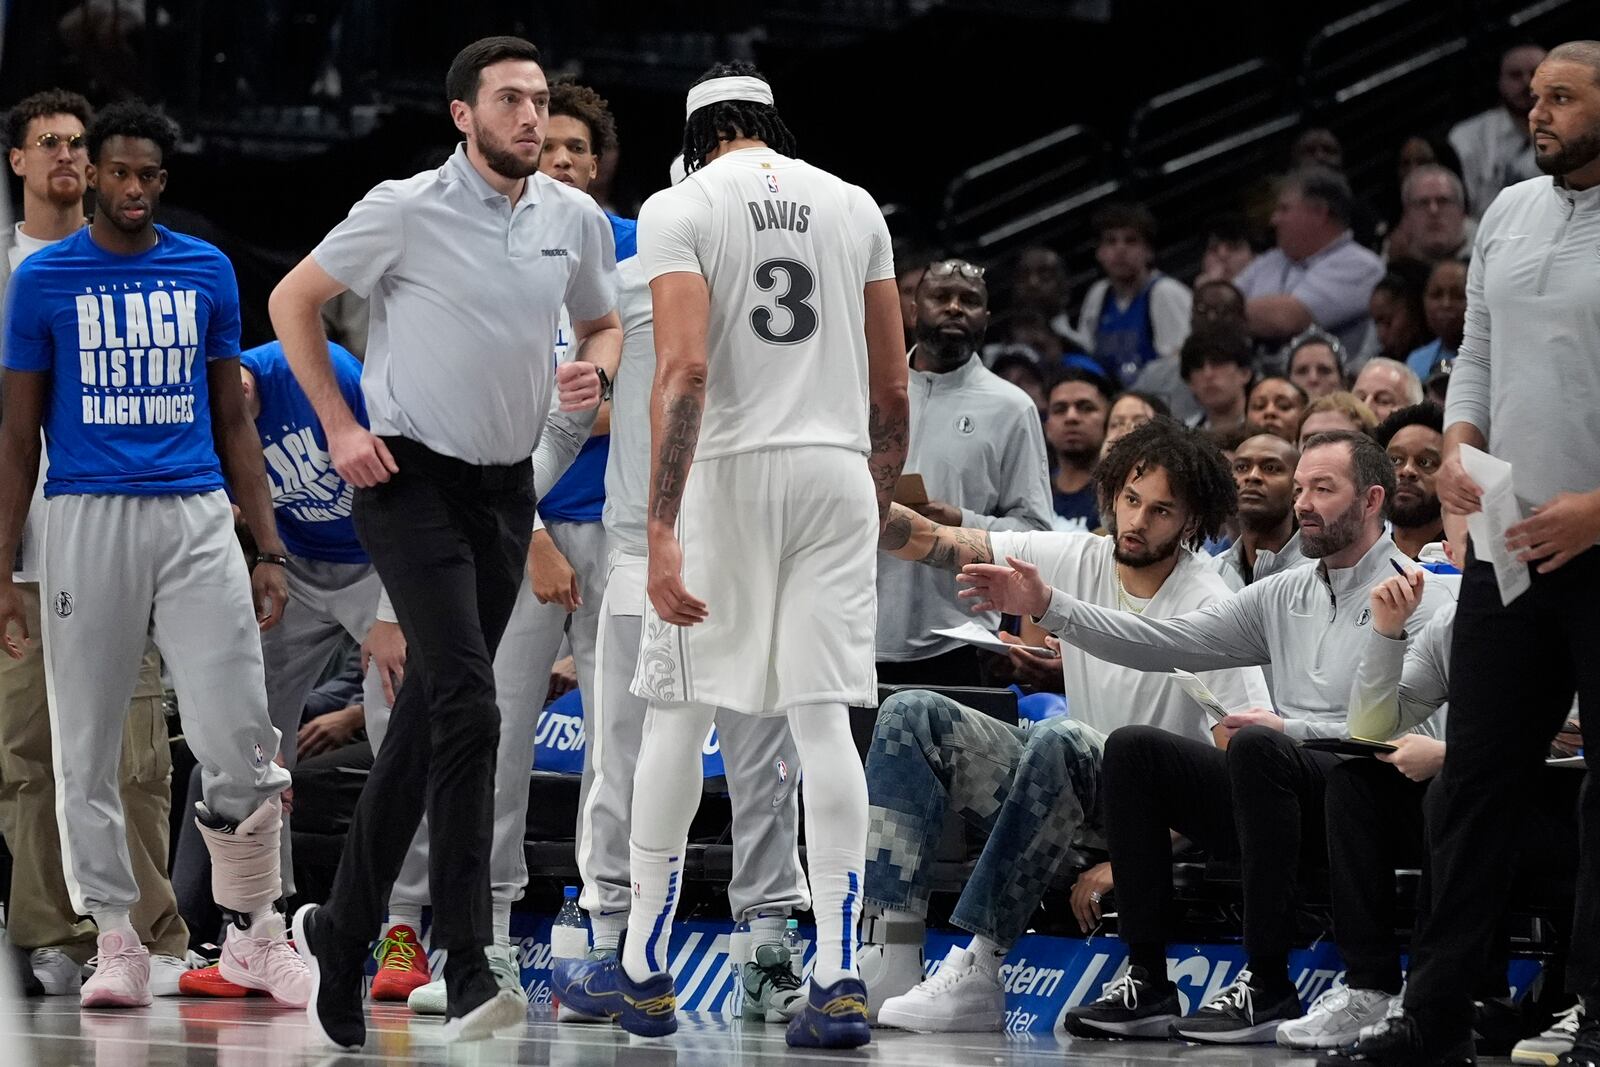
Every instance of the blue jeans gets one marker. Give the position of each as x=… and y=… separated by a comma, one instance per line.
x=1031, y=790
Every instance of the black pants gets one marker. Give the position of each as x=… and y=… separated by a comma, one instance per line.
x=957, y=667
x=1513, y=672
x=1261, y=800
x=450, y=541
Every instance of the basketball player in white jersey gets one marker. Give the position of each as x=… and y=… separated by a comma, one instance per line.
x=779, y=424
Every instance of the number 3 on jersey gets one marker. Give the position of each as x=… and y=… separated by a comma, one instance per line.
x=798, y=285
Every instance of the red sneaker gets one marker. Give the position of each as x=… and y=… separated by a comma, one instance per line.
x=402, y=965
x=208, y=982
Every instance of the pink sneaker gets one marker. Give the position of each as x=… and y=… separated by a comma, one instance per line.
x=122, y=980
x=269, y=964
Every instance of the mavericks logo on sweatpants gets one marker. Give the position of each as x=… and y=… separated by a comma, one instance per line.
x=63, y=604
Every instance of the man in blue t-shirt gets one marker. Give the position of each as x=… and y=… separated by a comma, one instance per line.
x=122, y=342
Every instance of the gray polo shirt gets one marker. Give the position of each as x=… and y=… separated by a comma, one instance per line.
x=977, y=443
x=1309, y=623
x=1335, y=285
x=466, y=291
x=1528, y=372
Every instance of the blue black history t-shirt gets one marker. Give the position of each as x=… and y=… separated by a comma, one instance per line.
x=311, y=501
x=127, y=340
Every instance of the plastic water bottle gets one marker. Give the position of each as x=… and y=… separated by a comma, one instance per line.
x=796, y=947
x=569, y=934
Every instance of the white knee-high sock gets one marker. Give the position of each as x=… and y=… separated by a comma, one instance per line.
x=835, y=787
x=666, y=794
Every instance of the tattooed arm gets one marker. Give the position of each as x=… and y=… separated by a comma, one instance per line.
x=683, y=309
x=889, y=414
x=909, y=536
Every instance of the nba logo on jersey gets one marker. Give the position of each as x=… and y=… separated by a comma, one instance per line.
x=772, y=182
x=63, y=604
x=261, y=757
x=783, y=771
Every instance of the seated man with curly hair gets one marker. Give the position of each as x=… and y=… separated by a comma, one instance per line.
x=1165, y=490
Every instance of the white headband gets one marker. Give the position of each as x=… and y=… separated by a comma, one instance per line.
x=741, y=87
x=676, y=171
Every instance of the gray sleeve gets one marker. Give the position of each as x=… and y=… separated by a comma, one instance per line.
x=1300, y=729
x=1024, y=484
x=367, y=244
x=1228, y=633
x=592, y=289
x=1399, y=687
x=1468, y=398
x=563, y=438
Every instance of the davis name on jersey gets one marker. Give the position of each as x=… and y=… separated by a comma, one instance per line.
x=136, y=352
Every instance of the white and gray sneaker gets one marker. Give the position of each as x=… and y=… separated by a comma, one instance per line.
x=1336, y=1018
x=961, y=997
x=59, y=973
x=888, y=971
x=166, y=970
x=1547, y=1049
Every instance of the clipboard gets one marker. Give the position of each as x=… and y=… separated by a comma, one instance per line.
x=1348, y=746
x=910, y=491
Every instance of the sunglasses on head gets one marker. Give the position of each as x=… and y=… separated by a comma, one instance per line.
x=52, y=141
x=946, y=267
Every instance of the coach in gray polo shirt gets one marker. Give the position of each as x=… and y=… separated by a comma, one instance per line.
x=467, y=268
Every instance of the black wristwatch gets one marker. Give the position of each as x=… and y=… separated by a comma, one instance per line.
x=606, y=384
x=272, y=558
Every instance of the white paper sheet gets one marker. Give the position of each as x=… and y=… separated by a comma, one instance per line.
x=973, y=634
x=1200, y=694
x=1488, y=526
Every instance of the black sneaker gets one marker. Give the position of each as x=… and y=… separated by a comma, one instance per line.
x=1131, y=1006
x=1234, y=1017
x=1586, y=1046
x=476, y=1007
x=337, y=985
x=1397, y=1042
x=1496, y=1026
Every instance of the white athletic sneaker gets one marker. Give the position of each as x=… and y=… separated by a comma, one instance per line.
x=267, y=964
x=1336, y=1019
x=56, y=971
x=428, y=999
x=959, y=998
x=165, y=972
x=122, y=979
x=1547, y=1049
x=889, y=971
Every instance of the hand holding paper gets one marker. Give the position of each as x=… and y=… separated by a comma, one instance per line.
x=1490, y=524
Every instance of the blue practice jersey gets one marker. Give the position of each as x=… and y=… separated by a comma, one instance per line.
x=311, y=501
x=126, y=340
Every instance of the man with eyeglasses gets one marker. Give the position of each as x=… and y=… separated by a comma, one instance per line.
x=1435, y=224
x=977, y=444
x=45, y=134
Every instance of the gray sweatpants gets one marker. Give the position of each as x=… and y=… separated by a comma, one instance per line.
x=521, y=679
x=326, y=601
x=760, y=756
x=113, y=565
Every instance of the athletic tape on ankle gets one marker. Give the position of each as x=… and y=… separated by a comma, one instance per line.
x=244, y=861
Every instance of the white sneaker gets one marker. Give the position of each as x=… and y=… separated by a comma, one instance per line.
x=122, y=979
x=57, y=972
x=1336, y=1018
x=166, y=970
x=1547, y=1049
x=889, y=971
x=960, y=998
x=433, y=999
x=428, y=999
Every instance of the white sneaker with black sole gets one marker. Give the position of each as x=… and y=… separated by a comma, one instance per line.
x=960, y=998
x=1233, y=1017
x=1336, y=1018
x=1131, y=1006
x=1547, y=1048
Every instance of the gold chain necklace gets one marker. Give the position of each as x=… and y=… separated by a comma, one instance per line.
x=1122, y=594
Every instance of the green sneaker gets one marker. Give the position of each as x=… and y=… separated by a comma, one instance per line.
x=772, y=991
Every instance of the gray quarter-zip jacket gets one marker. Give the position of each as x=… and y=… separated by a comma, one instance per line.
x=1230, y=564
x=1400, y=688
x=977, y=442
x=1309, y=623
x=1528, y=372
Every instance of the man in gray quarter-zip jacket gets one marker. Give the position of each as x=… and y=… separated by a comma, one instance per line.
x=1261, y=799
x=978, y=446
x=1526, y=388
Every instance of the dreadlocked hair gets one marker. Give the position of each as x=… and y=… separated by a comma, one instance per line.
x=730, y=119
x=1196, y=471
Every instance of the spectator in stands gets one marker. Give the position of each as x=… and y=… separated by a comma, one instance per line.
x=1317, y=146
x=1416, y=151
x=1335, y=412
x=1129, y=411
x=1215, y=302
x=1399, y=323
x=1228, y=250
x=1028, y=330
x=1317, y=274
x=1039, y=284
x=1316, y=363
x=1435, y=224
x=1386, y=385
x=1261, y=799
x=1494, y=145
x=1413, y=437
x=1165, y=491
x=1075, y=427
x=909, y=265
x=1019, y=366
x=1269, y=540
x=1444, y=303
x=1277, y=405
x=1134, y=314
x=1216, y=364
x=979, y=450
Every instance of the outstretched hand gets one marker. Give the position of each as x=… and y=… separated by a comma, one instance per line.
x=1014, y=588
